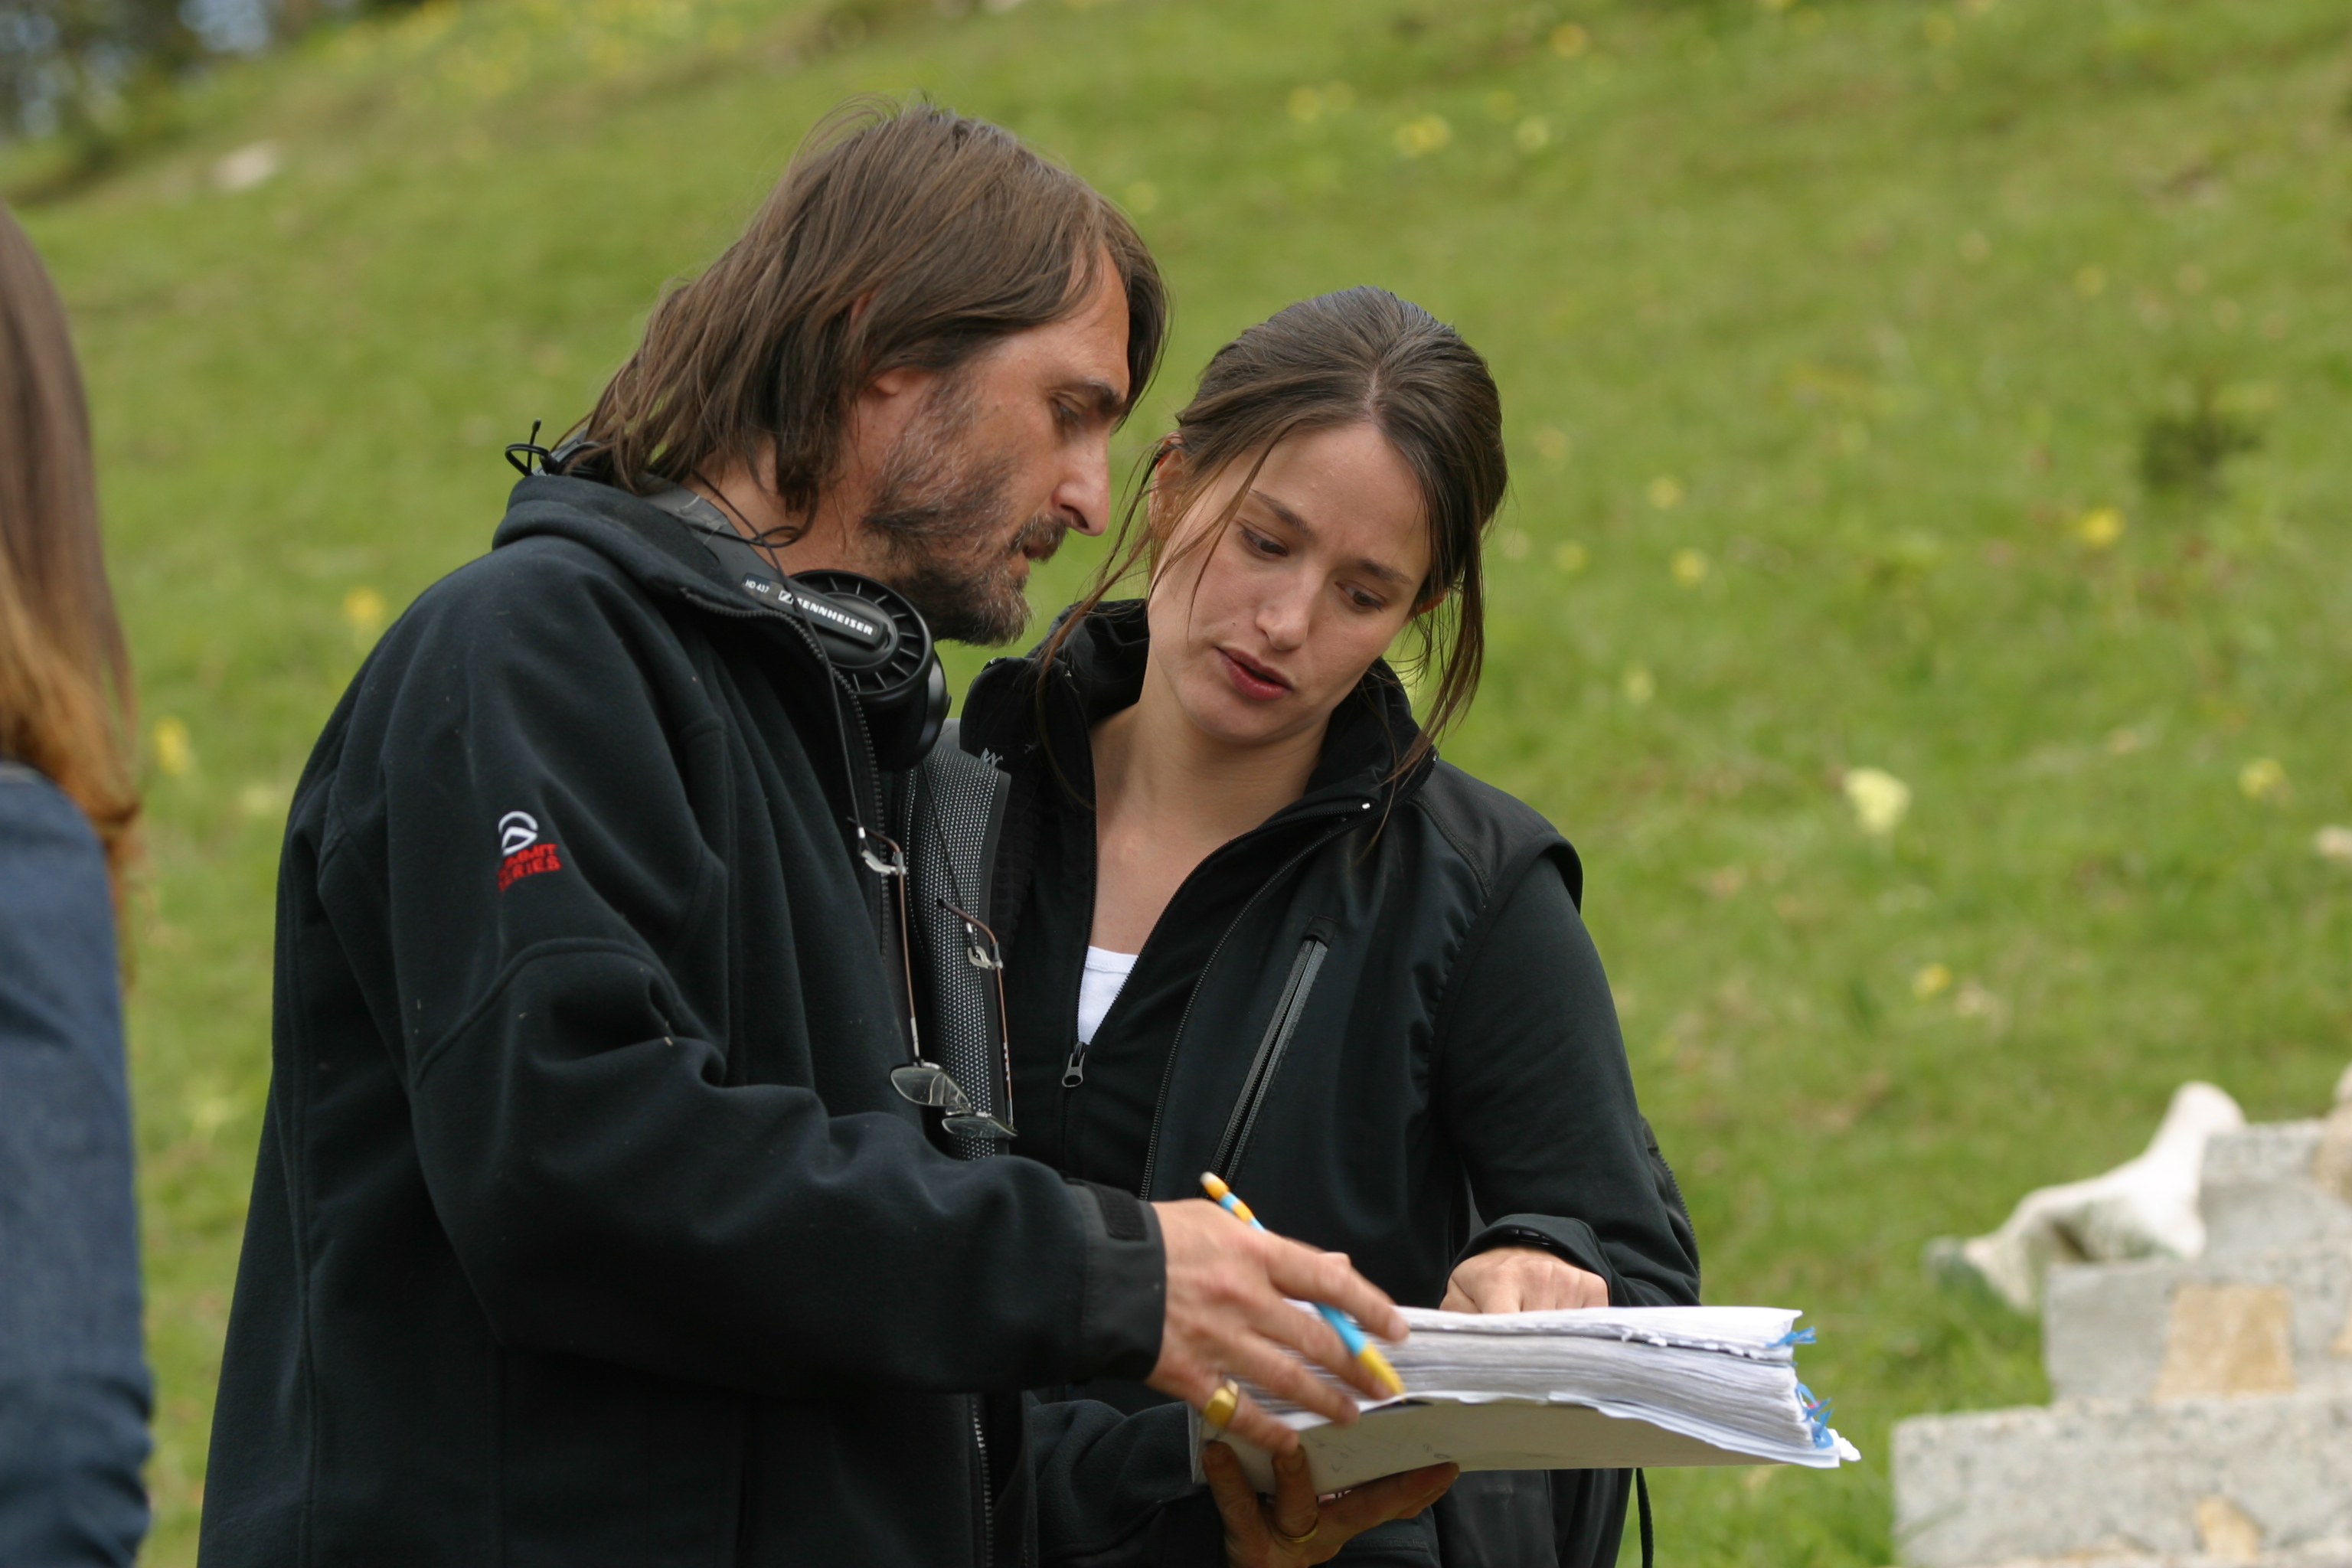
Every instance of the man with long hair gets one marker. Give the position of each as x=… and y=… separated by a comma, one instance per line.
x=593, y=1221
x=73, y=1381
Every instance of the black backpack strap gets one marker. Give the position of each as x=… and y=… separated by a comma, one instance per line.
x=954, y=812
x=1642, y=1502
x=1016, y=852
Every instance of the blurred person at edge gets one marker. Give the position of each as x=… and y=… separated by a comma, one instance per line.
x=588, y=1224
x=73, y=1379
x=1263, y=929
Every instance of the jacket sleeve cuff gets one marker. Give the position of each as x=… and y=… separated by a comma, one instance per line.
x=1125, y=1307
x=1570, y=1240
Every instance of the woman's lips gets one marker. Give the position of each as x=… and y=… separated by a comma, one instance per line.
x=1252, y=681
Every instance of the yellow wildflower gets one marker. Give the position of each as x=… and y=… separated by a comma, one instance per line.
x=1879, y=799
x=259, y=799
x=1689, y=567
x=365, y=607
x=1572, y=557
x=365, y=613
x=1932, y=981
x=1423, y=133
x=2100, y=527
x=2262, y=779
x=1665, y=492
x=1640, y=687
x=175, y=753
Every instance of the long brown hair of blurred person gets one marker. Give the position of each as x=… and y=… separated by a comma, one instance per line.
x=901, y=236
x=1357, y=356
x=65, y=674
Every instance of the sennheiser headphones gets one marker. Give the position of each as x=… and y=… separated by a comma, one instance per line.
x=875, y=640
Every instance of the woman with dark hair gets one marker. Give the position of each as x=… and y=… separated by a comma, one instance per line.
x=1251, y=923
x=73, y=1380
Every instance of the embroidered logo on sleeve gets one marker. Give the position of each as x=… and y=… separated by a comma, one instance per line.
x=525, y=855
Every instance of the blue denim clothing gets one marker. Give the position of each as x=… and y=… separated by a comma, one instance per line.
x=73, y=1378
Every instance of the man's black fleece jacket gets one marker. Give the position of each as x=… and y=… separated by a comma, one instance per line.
x=587, y=1227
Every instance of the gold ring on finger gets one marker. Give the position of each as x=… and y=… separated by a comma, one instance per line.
x=1293, y=1543
x=1218, y=1413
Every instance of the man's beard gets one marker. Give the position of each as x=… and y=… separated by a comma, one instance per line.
x=946, y=533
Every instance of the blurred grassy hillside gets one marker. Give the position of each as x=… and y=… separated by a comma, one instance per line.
x=1946, y=390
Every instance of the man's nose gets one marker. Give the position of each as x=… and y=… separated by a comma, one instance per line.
x=1082, y=499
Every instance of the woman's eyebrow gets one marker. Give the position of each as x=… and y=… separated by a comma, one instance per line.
x=1291, y=519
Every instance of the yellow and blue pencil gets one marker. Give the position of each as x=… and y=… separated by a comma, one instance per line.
x=1354, y=1338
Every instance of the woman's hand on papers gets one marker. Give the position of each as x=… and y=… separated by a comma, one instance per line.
x=1521, y=1279
x=1228, y=1311
x=1295, y=1527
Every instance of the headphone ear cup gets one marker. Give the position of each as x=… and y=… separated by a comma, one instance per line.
x=904, y=693
x=871, y=635
x=932, y=715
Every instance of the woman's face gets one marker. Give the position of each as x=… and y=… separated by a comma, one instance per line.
x=1262, y=632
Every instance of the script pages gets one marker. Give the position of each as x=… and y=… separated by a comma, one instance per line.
x=1594, y=1388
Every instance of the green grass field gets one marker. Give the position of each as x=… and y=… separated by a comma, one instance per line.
x=1828, y=335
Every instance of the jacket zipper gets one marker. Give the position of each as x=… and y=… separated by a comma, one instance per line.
x=1268, y=1060
x=856, y=720
x=1074, y=1071
x=987, y=1486
x=1176, y=1046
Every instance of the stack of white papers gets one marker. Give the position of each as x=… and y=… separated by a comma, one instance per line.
x=1595, y=1388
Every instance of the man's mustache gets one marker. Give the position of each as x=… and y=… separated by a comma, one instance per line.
x=1040, y=537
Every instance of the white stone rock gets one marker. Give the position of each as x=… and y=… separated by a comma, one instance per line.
x=2261, y=1190
x=2144, y=1207
x=2132, y=1331
x=2097, y=1477
x=248, y=166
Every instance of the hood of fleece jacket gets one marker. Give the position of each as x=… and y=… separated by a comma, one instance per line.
x=655, y=548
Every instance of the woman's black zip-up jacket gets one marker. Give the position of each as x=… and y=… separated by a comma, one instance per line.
x=1377, y=1015
x=587, y=1228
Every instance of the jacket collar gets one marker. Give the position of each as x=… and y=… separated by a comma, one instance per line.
x=652, y=546
x=664, y=557
x=1099, y=671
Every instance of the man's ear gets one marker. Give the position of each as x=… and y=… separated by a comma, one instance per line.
x=886, y=406
x=905, y=381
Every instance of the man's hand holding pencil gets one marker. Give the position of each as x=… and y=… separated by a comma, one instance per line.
x=1294, y=1529
x=1230, y=1287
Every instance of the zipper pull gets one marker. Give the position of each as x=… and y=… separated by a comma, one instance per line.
x=1075, y=1072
